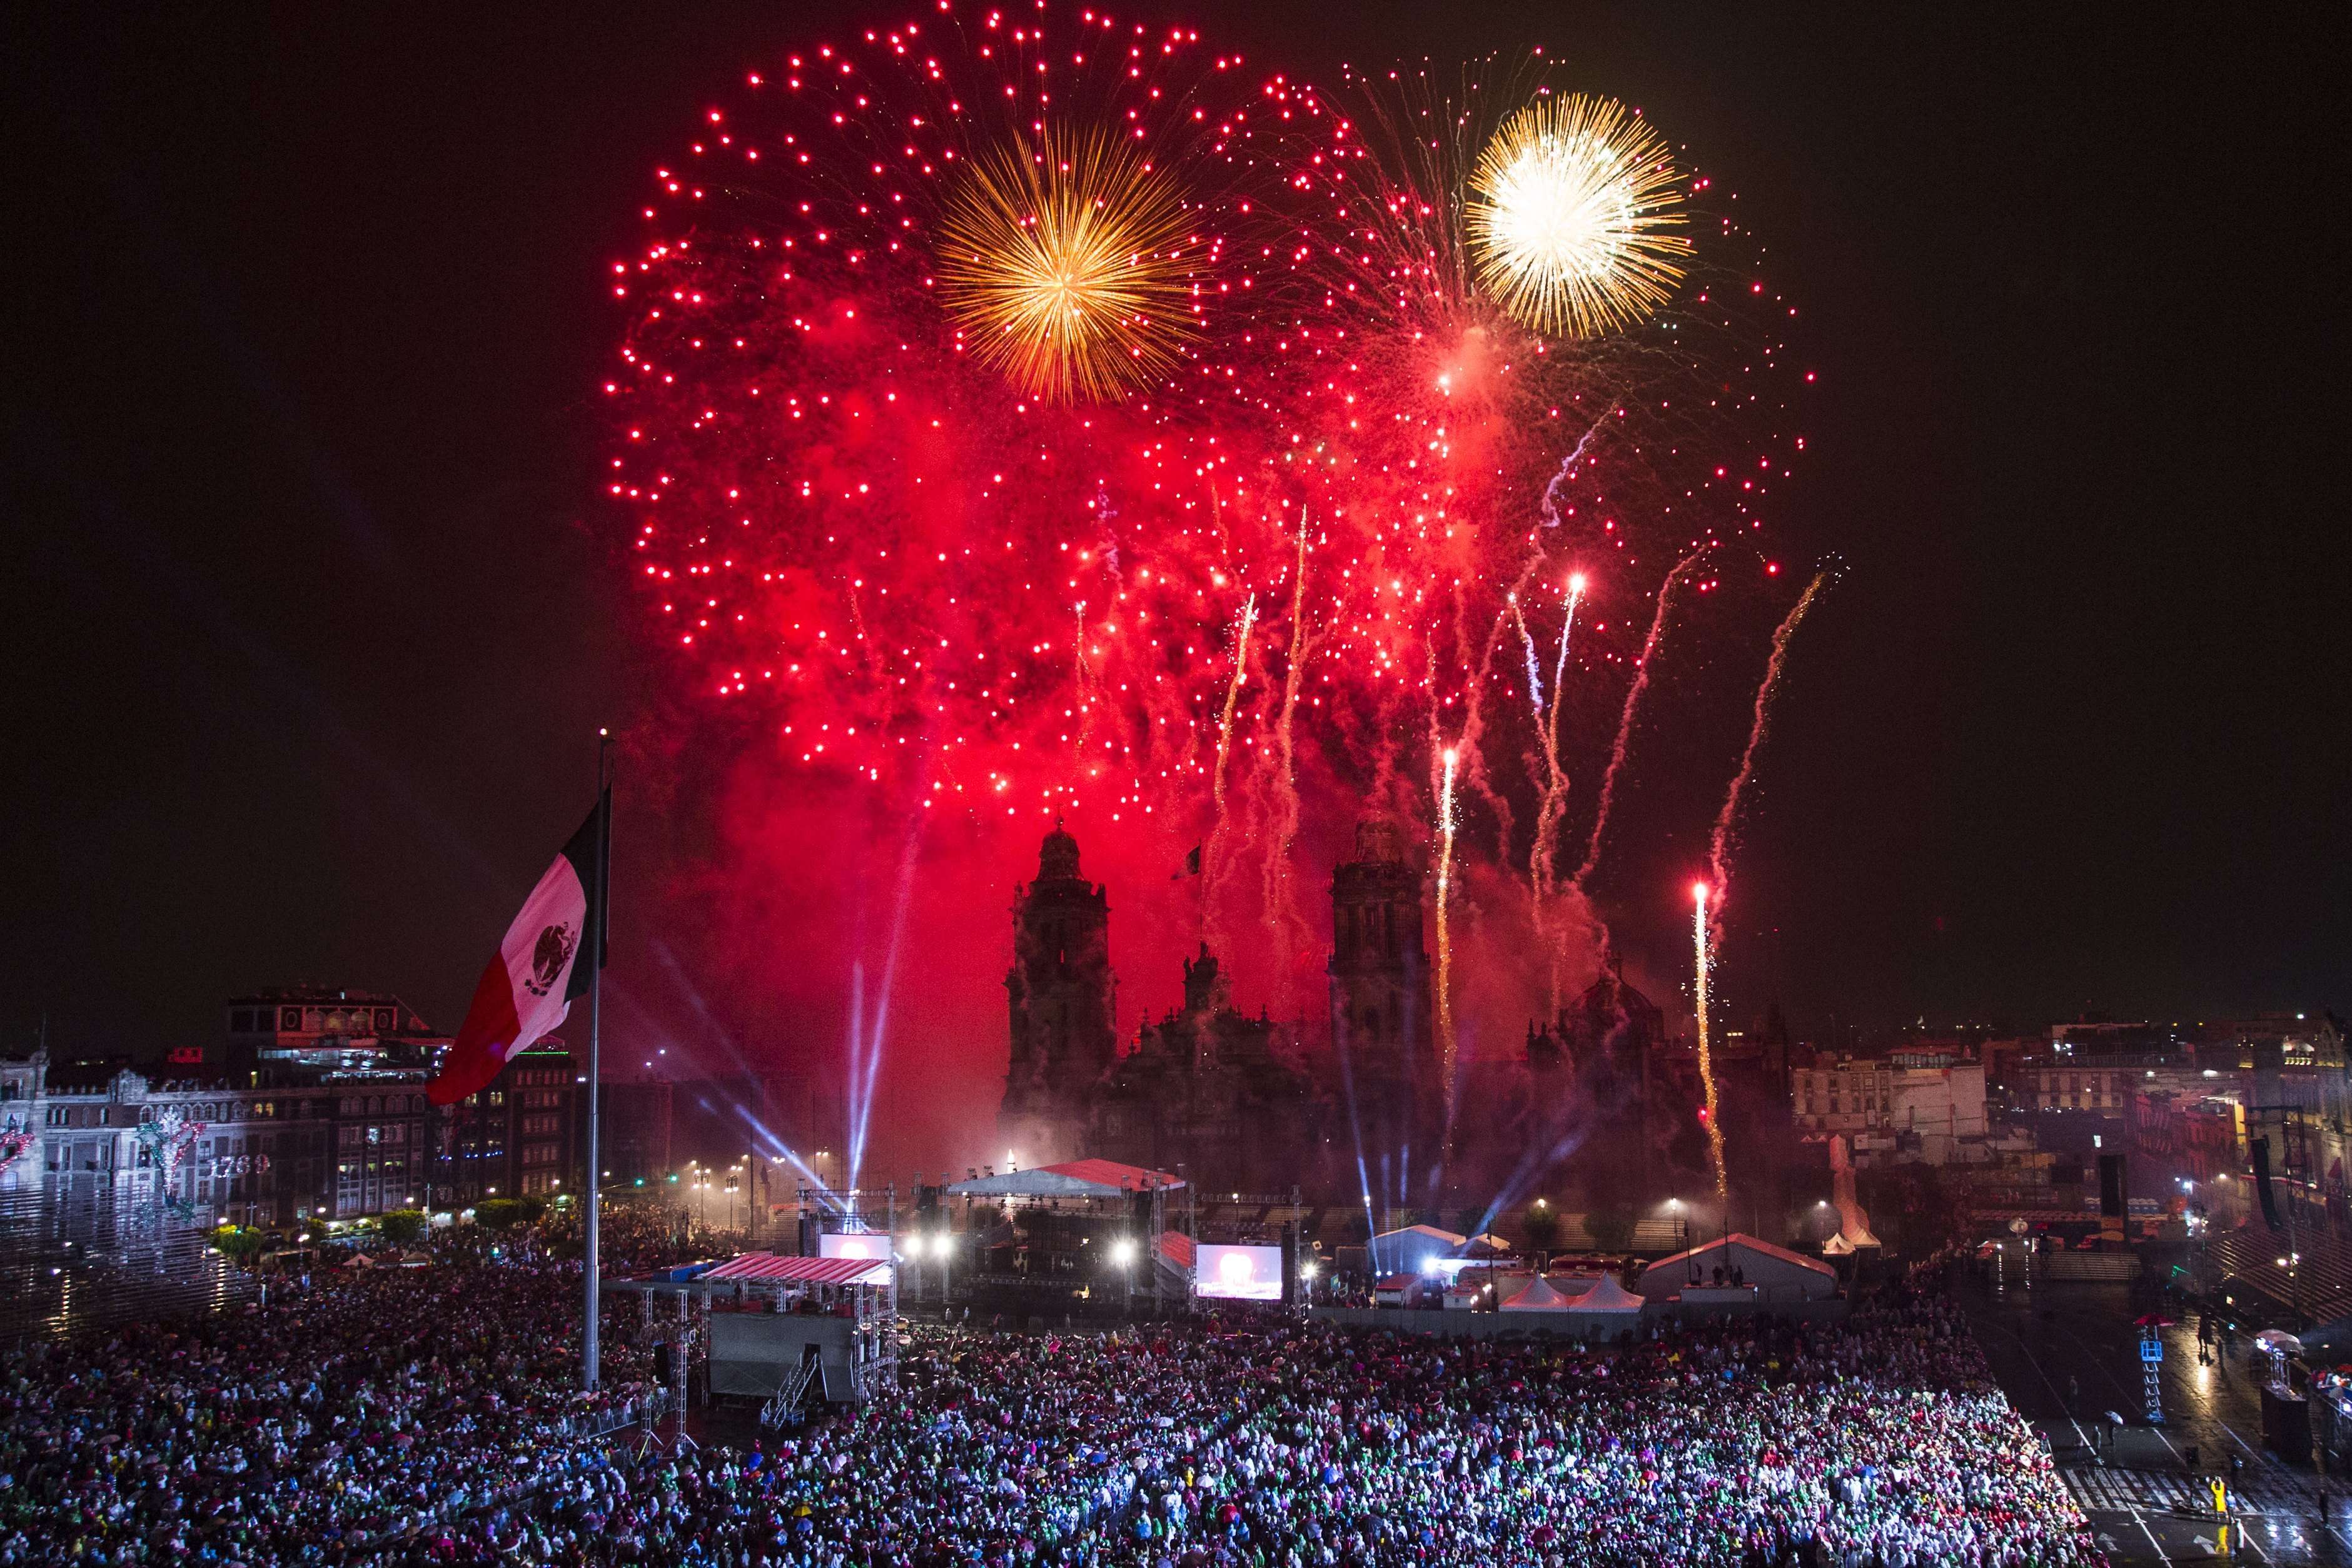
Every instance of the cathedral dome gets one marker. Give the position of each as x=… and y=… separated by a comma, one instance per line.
x=1058, y=857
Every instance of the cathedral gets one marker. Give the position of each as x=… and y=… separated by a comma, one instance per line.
x=1259, y=1104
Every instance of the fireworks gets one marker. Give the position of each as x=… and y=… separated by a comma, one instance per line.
x=1703, y=939
x=1574, y=216
x=988, y=383
x=1062, y=261
x=1445, y=1039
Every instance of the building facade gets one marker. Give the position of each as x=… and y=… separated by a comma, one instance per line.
x=1208, y=1090
x=1935, y=1098
x=320, y=1123
x=1058, y=992
x=1381, y=1028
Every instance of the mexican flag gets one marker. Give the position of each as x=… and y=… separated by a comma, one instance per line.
x=539, y=966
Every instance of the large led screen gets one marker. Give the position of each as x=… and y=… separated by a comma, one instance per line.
x=1241, y=1273
x=874, y=1244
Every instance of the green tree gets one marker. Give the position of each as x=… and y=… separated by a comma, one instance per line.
x=1611, y=1225
x=240, y=1244
x=403, y=1227
x=1541, y=1225
x=499, y=1213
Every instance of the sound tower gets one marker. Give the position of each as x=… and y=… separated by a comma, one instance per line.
x=2115, y=1199
x=2261, y=1150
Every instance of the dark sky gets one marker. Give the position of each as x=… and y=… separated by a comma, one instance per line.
x=309, y=622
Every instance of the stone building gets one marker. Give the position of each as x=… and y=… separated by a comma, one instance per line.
x=1382, y=1042
x=326, y=1118
x=1210, y=1092
x=1059, y=994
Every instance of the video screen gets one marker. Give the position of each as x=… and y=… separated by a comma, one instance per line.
x=874, y=1244
x=1240, y=1273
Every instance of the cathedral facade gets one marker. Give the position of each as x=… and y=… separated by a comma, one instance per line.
x=1351, y=1103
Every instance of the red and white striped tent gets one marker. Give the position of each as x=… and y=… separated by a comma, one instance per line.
x=768, y=1269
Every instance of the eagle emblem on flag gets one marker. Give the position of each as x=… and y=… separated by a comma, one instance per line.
x=547, y=960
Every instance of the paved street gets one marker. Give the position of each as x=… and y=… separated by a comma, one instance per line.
x=2138, y=1489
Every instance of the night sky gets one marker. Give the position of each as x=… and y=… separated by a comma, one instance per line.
x=311, y=615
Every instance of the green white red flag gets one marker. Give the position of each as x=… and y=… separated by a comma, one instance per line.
x=551, y=951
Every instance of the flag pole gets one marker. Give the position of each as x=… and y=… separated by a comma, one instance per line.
x=595, y=1077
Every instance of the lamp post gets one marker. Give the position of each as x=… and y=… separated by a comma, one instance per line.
x=1122, y=1252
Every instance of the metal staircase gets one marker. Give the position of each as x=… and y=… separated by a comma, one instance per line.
x=783, y=1406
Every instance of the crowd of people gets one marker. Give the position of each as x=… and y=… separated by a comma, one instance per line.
x=430, y=1416
x=335, y=1417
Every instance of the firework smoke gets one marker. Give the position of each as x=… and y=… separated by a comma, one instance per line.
x=1283, y=922
x=1543, y=861
x=1641, y=670
x=1215, y=860
x=1445, y=1039
x=1724, y=838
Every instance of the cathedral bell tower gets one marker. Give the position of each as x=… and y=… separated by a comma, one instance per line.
x=1380, y=997
x=1059, y=992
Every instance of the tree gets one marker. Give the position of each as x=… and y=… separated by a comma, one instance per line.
x=403, y=1227
x=1539, y=1223
x=240, y=1244
x=498, y=1214
x=1611, y=1227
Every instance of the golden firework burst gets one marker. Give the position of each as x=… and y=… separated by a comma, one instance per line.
x=1061, y=260
x=1574, y=205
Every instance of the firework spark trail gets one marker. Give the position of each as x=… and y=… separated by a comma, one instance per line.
x=1543, y=861
x=1559, y=669
x=1720, y=846
x=1535, y=670
x=1282, y=917
x=1474, y=726
x=1445, y=935
x=1083, y=678
x=1702, y=937
x=1549, y=508
x=1625, y=719
x=1214, y=867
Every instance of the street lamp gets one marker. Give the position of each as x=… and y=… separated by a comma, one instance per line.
x=1122, y=1252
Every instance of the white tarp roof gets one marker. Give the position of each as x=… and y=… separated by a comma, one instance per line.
x=1608, y=1296
x=1539, y=1297
x=1072, y=1178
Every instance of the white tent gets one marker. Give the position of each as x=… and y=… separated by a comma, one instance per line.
x=1414, y=1247
x=1774, y=1273
x=1608, y=1296
x=1540, y=1297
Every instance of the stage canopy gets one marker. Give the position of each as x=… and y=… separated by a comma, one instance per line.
x=1777, y=1273
x=767, y=1269
x=1417, y=1248
x=1074, y=1178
